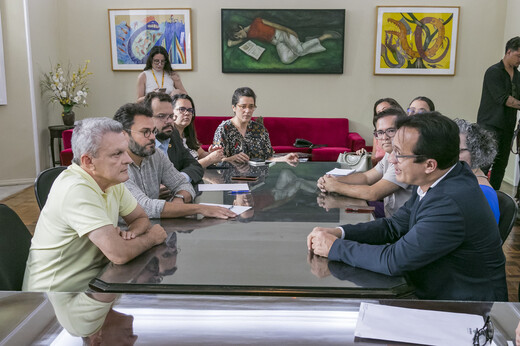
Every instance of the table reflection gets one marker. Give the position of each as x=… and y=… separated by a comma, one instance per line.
x=262, y=251
x=91, y=316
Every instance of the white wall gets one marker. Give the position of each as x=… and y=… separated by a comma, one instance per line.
x=76, y=30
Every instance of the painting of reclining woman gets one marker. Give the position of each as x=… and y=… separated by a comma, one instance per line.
x=283, y=41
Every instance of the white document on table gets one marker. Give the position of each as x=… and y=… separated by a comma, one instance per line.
x=341, y=172
x=426, y=327
x=237, y=209
x=224, y=187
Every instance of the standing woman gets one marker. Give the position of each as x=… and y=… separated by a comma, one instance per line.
x=184, y=115
x=243, y=139
x=158, y=74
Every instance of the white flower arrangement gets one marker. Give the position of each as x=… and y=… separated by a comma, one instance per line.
x=64, y=88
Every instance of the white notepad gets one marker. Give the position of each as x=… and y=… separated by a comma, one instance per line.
x=223, y=187
x=425, y=327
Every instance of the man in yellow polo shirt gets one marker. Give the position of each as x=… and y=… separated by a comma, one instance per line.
x=77, y=233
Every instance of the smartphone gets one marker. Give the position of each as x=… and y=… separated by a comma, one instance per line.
x=245, y=177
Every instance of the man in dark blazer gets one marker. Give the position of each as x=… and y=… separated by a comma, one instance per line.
x=499, y=104
x=169, y=140
x=445, y=238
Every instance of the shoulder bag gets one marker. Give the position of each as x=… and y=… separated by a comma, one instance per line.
x=359, y=163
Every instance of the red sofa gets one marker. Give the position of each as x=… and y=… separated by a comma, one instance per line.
x=333, y=132
x=283, y=131
x=66, y=153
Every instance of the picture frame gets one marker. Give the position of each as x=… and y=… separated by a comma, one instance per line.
x=419, y=40
x=282, y=40
x=3, y=86
x=133, y=32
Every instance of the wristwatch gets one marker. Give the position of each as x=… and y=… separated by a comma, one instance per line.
x=178, y=195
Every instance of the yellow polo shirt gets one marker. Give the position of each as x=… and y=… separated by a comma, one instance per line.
x=62, y=257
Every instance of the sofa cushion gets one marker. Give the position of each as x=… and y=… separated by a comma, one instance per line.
x=328, y=131
x=205, y=127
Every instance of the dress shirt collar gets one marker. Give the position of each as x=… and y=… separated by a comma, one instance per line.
x=163, y=145
x=422, y=193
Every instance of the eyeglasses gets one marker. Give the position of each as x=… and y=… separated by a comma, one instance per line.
x=399, y=157
x=159, y=62
x=186, y=110
x=484, y=334
x=251, y=107
x=146, y=132
x=164, y=117
x=413, y=110
x=389, y=132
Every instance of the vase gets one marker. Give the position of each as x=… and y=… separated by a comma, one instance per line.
x=68, y=118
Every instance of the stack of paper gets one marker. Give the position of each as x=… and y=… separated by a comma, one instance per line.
x=424, y=327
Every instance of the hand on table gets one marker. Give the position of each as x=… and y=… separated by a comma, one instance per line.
x=320, y=240
x=328, y=183
x=215, y=156
x=216, y=211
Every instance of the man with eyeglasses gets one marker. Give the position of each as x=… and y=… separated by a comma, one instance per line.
x=150, y=168
x=499, y=104
x=379, y=182
x=444, y=239
x=168, y=140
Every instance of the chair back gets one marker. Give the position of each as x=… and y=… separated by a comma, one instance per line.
x=508, y=210
x=43, y=184
x=15, y=241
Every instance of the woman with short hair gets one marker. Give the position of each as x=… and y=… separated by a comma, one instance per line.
x=242, y=138
x=478, y=148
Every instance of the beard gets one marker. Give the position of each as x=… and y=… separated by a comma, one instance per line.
x=141, y=151
x=162, y=136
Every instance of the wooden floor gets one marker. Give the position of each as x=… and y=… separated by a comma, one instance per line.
x=24, y=203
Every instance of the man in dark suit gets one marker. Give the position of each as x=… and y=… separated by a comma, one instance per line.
x=445, y=238
x=499, y=104
x=168, y=139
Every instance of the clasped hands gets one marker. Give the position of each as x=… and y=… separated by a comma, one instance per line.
x=156, y=230
x=327, y=183
x=320, y=240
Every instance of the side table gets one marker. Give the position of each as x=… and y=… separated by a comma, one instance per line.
x=55, y=133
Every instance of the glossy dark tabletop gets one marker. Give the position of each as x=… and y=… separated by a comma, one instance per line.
x=261, y=252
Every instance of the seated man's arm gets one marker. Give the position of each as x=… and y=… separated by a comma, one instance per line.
x=119, y=250
x=438, y=231
x=151, y=206
x=375, y=188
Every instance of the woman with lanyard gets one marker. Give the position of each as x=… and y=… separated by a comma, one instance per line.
x=158, y=75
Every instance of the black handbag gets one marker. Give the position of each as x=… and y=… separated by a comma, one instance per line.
x=303, y=143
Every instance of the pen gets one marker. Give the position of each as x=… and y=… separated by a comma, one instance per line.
x=238, y=192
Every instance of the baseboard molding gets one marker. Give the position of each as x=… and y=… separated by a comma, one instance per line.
x=510, y=181
x=10, y=182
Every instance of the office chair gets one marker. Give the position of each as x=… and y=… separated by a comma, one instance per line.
x=508, y=210
x=43, y=183
x=15, y=241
